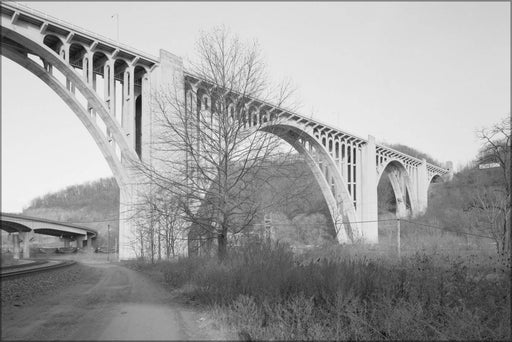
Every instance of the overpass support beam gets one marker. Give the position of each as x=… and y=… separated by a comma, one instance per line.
x=15, y=246
x=369, y=226
x=26, y=244
x=79, y=242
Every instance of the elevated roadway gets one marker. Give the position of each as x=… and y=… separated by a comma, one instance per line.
x=21, y=229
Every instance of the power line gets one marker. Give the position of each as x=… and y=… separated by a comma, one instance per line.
x=447, y=229
x=421, y=224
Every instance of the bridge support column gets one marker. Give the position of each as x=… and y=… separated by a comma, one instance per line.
x=66, y=242
x=369, y=226
x=15, y=246
x=26, y=244
x=422, y=190
x=80, y=242
x=127, y=233
x=89, y=242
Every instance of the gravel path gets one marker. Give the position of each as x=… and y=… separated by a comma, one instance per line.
x=98, y=302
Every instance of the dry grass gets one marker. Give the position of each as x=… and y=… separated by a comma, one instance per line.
x=265, y=292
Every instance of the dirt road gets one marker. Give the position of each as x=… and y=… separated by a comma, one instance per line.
x=115, y=303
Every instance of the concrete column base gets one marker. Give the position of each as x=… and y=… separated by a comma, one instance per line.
x=26, y=244
x=80, y=242
x=16, y=246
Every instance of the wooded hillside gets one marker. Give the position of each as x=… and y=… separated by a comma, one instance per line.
x=93, y=204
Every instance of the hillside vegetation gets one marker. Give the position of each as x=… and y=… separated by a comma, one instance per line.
x=414, y=153
x=93, y=204
x=298, y=207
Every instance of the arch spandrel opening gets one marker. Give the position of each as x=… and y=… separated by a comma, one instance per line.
x=433, y=186
x=394, y=192
x=99, y=65
x=53, y=42
x=138, y=126
x=117, y=93
x=139, y=80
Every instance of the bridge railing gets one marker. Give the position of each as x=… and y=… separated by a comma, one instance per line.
x=288, y=111
x=44, y=16
x=328, y=126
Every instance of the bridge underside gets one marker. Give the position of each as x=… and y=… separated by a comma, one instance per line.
x=13, y=227
x=22, y=229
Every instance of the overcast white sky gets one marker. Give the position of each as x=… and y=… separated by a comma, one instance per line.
x=422, y=74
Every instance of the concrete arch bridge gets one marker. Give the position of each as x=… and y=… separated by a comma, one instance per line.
x=109, y=85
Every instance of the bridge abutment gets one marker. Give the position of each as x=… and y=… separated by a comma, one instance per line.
x=165, y=79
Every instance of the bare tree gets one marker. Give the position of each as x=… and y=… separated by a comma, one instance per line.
x=169, y=224
x=495, y=200
x=487, y=214
x=496, y=142
x=220, y=137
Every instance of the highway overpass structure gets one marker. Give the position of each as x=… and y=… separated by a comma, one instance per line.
x=21, y=229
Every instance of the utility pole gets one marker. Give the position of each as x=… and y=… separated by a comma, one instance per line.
x=117, y=20
x=398, y=238
x=510, y=213
x=108, y=243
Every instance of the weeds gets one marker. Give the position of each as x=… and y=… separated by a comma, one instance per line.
x=265, y=292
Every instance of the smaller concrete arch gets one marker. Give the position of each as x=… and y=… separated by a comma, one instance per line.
x=323, y=139
x=76, y=54
x=140, y=72
x=99, y=59
x=141, y=68
x=401, y=183
x=190, y=100
x=53, y=42
x=231, y=111
x=251, y=113
x=255, y=117
x=435, y=178
x=263, y=116
x=273, y=116
x=203, y=99
x=385, y=163
x=337, y=149
x=120, y=66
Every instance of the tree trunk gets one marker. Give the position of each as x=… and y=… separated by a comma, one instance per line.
x=222, y=246
x=159, y=244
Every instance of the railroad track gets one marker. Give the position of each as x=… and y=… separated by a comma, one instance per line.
x=34, y=267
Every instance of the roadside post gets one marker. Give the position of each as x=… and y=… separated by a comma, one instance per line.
x=108, y=242
x=398, y=237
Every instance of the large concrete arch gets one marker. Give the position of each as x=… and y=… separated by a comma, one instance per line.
x=435, y=176
x=341, y=208
x=401, y=184
x=36, y=47
x=75, y=106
